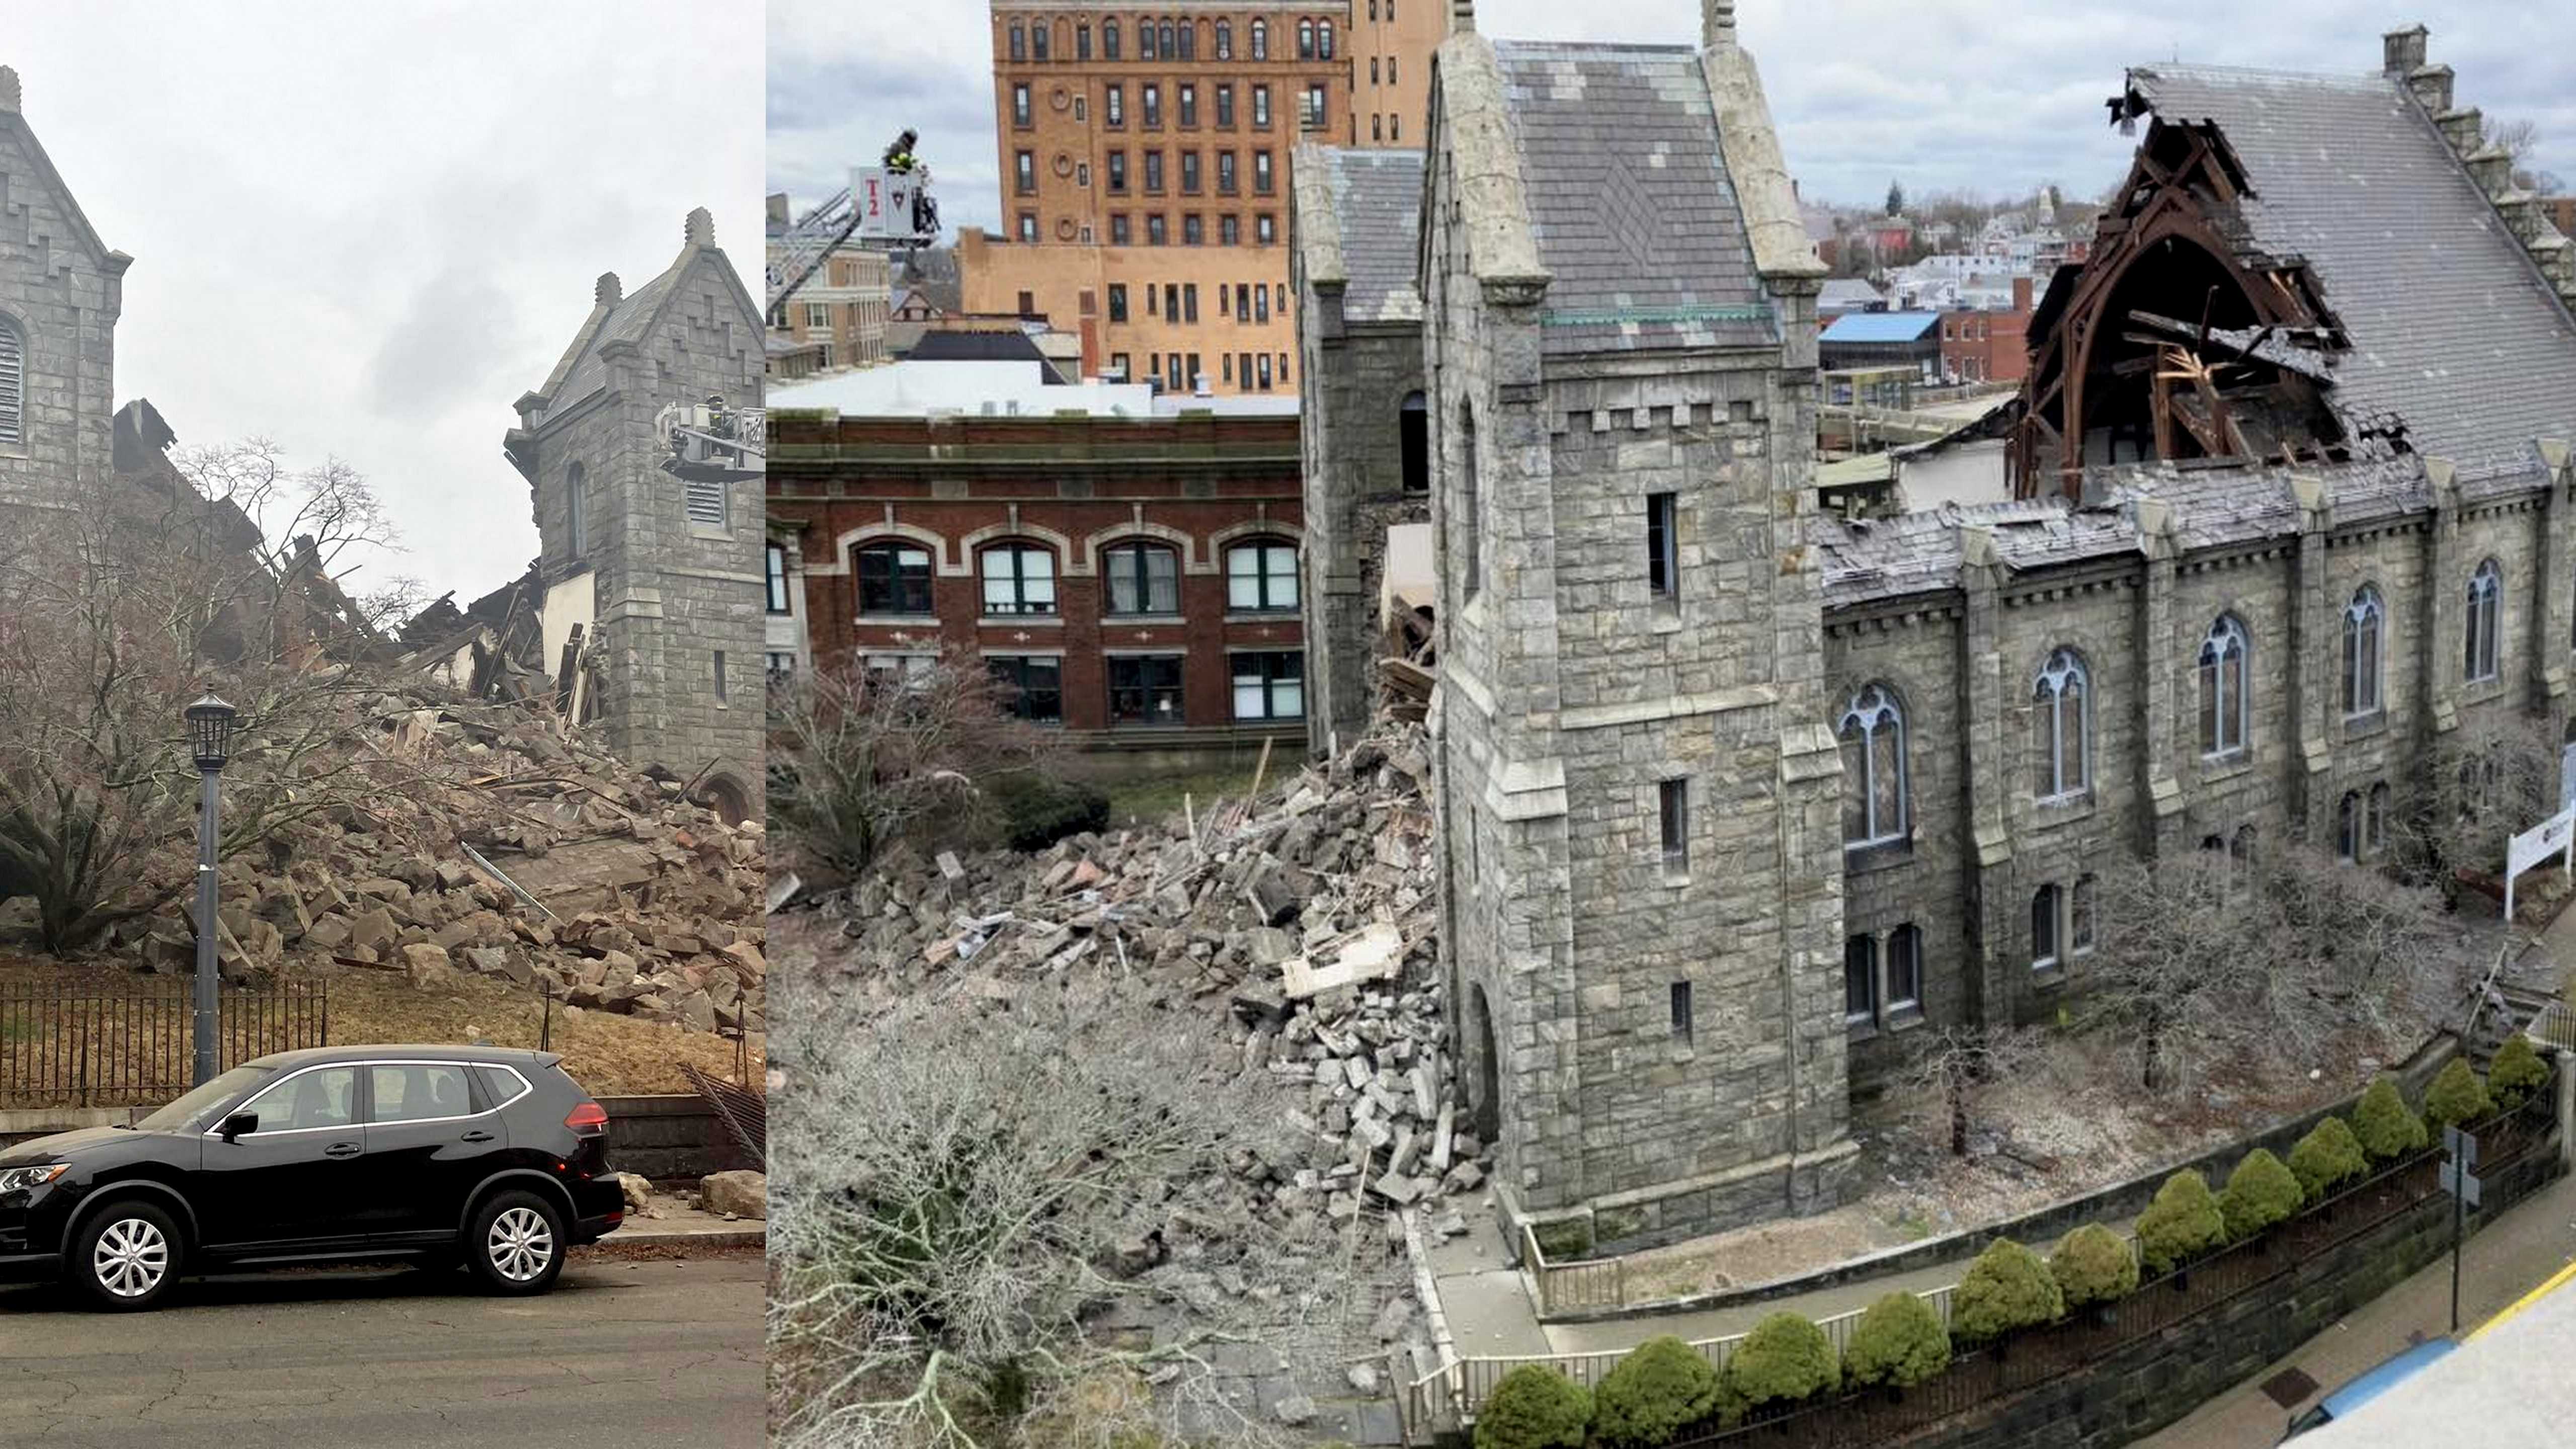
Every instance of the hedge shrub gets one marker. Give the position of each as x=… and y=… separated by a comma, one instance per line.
x=2008, y=1287
x=1785, y=1358
x=2386, y=1128
x=2326, y=1158
x=2260, y=1192
x=2180, y=1225
x=1659, y=1389
x=2516, y=1072
x=1534, y=1407
x=2456, y=1096
x=1899, y=1341
x=2093, y=1265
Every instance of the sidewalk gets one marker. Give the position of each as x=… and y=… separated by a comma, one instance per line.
x=674, y=1226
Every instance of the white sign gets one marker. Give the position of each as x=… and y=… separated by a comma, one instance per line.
x=884, y=200
x=2554, y=836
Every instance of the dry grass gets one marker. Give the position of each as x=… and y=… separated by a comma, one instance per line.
x=610, y=1055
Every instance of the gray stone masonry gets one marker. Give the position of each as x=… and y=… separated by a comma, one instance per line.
x=60, y=292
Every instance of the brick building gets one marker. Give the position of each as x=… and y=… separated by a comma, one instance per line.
x=1736, y=797
x=1144, y=156
x=1134, y=577
x=1988, y=345
x=837, y=317
x=661, y=572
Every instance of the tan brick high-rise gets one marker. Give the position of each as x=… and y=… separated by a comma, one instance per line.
x=1144, y=162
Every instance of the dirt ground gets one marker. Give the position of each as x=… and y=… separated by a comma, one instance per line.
x=2071, y=1120
x=610, y=1055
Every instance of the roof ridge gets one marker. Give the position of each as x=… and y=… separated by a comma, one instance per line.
x=2358, y=79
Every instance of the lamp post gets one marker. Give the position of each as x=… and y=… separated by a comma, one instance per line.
x=210, y=734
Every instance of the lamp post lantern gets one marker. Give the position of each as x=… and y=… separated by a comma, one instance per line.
x=210, y=737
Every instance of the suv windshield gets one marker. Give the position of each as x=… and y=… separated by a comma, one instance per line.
x=197, y=1111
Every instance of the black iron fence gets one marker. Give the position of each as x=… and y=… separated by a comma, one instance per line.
x=128, y=1045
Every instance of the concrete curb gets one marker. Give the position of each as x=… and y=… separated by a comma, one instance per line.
x=751, y=1237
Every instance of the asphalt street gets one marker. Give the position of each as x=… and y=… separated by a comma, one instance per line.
x=620, y=1352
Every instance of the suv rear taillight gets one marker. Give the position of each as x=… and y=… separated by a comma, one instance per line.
x=588, y=1120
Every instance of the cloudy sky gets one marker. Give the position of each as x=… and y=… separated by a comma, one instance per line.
x=364, y=230
x=1988, y=96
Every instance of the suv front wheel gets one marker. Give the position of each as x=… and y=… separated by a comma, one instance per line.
x=126, y=1256
x=517, y=1243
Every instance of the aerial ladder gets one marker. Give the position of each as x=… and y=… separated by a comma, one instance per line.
x=887, y=207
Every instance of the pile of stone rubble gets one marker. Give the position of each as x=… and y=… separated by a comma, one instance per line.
x=502, y=846
x=1302, y=929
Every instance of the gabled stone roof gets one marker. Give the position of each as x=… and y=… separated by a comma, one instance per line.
x=2452, y=327
x=1376, y=197
x=1634, y=216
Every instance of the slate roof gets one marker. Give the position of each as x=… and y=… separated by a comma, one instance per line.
x=1377, y=198
x=1849, y=294
x=1633, y=214
x=626, y=321
x=2452, y=327
x=1879, y=327
x=978, y=347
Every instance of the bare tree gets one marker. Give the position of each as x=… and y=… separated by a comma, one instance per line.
x=857, y=762
x=968, y=1199
x=113, y=615
x=2520, y=137
x=2486, y=781
x=1954, y=1065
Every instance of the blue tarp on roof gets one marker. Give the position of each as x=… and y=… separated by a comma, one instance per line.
x=1880, y=326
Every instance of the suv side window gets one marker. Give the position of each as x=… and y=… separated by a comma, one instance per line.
x=500, y=1086
x=416, y=1091
x=323, y=1097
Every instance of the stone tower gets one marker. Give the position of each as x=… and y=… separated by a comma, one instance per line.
x=60, y=292
x=1642, y=860
x=665, y=576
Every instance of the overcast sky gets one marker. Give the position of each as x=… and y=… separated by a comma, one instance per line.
x=364, y=230
x=1991, y=96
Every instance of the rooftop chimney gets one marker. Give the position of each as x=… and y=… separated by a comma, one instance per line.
x=1462, y=15
x=700, y=229
x=1716, y=24
x=9, y=98
x=607, y=292
x=2402, y=51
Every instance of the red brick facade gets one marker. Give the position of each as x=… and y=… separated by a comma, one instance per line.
x=1073, y=487
x=1988, y=346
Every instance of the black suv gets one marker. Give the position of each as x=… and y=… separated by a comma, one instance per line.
x=493, y=1157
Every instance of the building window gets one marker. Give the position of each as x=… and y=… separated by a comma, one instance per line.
x=1904, y=970
x=1153, y=172
x=1305, y=40
x=724, y=687
x=1860, y=980
x=1471, y=575
x=1108, y=40
x=1225, y=40
x=1024, y=170
x=1019, y=578
x=1156, y=233
x=1264, y=230
x=1120, y=233
x=1372, y=67
x=1118, y=365
x=1324, y=40
x=894, y=578
x=1038, y=41
x=782, y=669
x=2363, y=620
x=1225, y=177
x=1193, y=230
x=1171, y=301
x=1189, y=40
x=1144, y=578
x=1082, y=42
x=1190, y=172
x=1313, y=117
x=1190, y=298
x=2062, y=728
x=1265, y=372
x=2043, y=929
x=1028, y=226
x=1189, y=101
x=1413, y=443
x=2079, y=916
x=1118, y=301
x=1020, y=104
x=1034, y=684
x=1145, y=690
x=1019, y=43
x=818, y=316
x=1152, y=95
x=1167, y=42
x=1225, y=108
x=1673, y=801
x=1681, y=1012
x=778, y=601
x=1113, y=103
x=1390, y=69
x=1260, y=39
x=2485, y=620
x=576, y=491
x=1395, y=126
x=2223, y=712
x=2348, y=826
x=1261, y=108
x=1663, y=563
x=1261, y=577
x=13, y=385
x=1145, y=48
x=1377, y=128
x=1872, y=731
x=2374, y=832
x=1117, y=173
x=1269, y=685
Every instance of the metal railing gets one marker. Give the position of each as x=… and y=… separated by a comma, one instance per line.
x=1451, y=1394
x=2554, y=1026
x=1588, y=1283
x=129, y=1045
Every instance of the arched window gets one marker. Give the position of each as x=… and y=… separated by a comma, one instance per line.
x=1144, y=40
x=894, y=577
x=1108, y=40
x=2348, y=826
x=1038, y=41
x=1019, y=578
x=1019, y=43
x=1225, y=40
x=1872, y=731
x=2485, y=620
x=2043, y=928
x=2363, y=620
x=1305, y=40
x=1143, y=578
x=1260, y=39
x=1413, y=443
x=1860, y=980
x=2061, y=728
x=2223, y=711
x=2079, y=917
x=2374, y=835
x=2240, y=847
x=1170, y=45
x=1904, y=970
x=1261, y=577
x=1324, y=40
x=13, y=382
x=576, y=511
